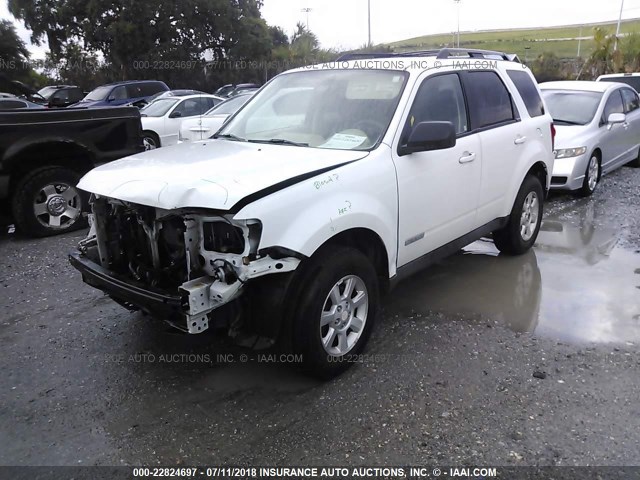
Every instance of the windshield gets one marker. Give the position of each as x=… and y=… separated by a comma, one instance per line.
x=633, y=82
x=335, y=109
x=572, y=107
x=228, y=107
x=98, y=94
x=158, y=108
x=46, y=92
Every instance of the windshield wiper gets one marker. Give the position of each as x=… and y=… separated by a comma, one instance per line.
x=569, y=122
x=280, y=141
x=229, y=136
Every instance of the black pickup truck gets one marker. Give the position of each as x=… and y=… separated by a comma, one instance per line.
x=43, y=154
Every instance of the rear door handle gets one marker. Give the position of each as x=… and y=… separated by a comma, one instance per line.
x=520, y=140
x=467, y=157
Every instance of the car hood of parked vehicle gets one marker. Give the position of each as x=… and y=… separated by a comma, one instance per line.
x=213, y=174
x=573, y=136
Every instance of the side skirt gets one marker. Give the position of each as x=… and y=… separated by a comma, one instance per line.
x=444, y=251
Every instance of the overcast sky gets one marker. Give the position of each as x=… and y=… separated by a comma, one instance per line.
x=343, y=23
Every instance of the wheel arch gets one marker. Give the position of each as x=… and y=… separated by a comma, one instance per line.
x=52, y=153
x=539, y=170
x=154, y=134
x=370, y=244
x=597, y=151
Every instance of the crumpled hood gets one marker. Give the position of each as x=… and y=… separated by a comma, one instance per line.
x=213, y=174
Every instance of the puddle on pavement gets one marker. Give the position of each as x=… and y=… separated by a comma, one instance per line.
x=576, y=285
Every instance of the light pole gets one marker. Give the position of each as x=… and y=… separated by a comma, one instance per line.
x=369, y=18
x=615, y=47
x=457, y=2
x=307, y=10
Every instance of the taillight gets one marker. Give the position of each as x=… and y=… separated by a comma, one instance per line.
x=553, y=137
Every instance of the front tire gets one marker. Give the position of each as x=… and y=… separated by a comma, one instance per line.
x=150, y=140
x=46, y=202
x=523, y=225
x=336, y=312
x=591, y=176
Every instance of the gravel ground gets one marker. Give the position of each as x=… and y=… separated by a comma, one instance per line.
x=84, y=382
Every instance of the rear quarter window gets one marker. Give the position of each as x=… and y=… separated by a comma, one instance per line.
x=528, y=91
x=489, y=99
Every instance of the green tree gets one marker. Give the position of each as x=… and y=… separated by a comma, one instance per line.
x=630, y=47
x=14, y=56
x=547, y=67
x=602, y=59
x=134, y=34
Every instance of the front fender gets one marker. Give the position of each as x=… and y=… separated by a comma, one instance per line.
x=34, y=141
x=303, y=217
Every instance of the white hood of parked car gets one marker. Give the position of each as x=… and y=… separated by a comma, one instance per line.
x=573, y=136
x=213, y=174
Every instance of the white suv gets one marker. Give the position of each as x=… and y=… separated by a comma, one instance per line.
x=330, y=185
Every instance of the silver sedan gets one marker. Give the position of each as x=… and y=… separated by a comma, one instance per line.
x=598, y=130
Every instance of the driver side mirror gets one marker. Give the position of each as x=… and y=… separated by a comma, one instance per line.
x=427, y=136
x=175, y=115
x=615, y=118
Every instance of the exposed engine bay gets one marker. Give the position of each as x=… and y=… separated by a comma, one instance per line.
x=205, y=259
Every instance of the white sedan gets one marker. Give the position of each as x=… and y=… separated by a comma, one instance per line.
x=161, y=119
x=203, y=127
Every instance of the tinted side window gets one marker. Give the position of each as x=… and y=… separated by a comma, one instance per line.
x=11, y=104
x=62, y=95
x=614, y=105
x=440, y=99
x=630, y=99
x=528, y=92
x=151, y=88
x=190, y=107
x=489, y=100
x=76, y=95
x=119, y=93
x=134, y=91
x=209, y=103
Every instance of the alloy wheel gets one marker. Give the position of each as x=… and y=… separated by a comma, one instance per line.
x=57, y=206
x=530, y=216
x=344, y=315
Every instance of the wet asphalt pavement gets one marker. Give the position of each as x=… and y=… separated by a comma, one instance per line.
x=448, y=377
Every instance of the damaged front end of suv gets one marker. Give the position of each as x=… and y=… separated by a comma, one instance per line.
x=193, y=268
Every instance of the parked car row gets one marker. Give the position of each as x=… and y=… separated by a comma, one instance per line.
x=138, y=93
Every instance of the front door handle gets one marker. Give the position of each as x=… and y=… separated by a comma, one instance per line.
x=467, y=157
x=520, y=140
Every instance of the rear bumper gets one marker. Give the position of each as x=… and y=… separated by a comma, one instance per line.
x=156, y=303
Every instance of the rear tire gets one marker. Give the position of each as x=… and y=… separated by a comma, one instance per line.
x=46, y=202
x=635, y=163
x=336, y=312
x=523, y=225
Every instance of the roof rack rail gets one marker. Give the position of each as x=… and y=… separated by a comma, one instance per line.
x=439, y=54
